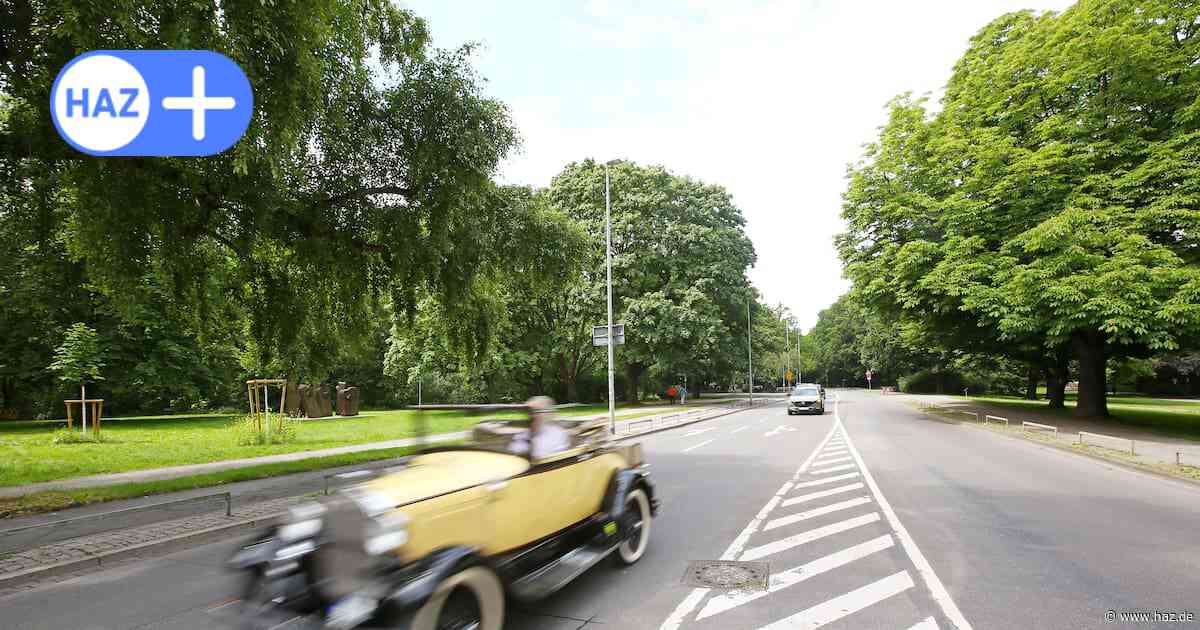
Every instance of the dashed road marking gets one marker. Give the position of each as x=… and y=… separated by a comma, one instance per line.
x=784, y=579
x=796, y=540
x=821, y=471
x=843, y=605
x=739, y=429
x=821, y=494
x=827, y=480
x=815, y=512
x=697, y=446
x=698, y=432
x=925, y=624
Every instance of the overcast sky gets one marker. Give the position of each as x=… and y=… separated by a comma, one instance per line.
x=769, y=99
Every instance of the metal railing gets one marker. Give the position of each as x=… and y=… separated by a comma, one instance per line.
x=1084, y=435
x=1025, y=426
x=228, y=497
x=997, y=419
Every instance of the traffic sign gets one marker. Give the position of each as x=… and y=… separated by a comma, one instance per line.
x=600, y=335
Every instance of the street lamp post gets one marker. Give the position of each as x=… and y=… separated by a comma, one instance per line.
x=612, y=408
x=749, y=353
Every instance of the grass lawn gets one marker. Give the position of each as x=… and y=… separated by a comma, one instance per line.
x=54, y=500
x=1173, y=417
x=28, y=455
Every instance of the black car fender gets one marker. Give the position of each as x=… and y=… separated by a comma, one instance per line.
x=418, y=583
x=622, y=482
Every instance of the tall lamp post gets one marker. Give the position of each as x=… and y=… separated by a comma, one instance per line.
x=612, y=404
x=749, y=353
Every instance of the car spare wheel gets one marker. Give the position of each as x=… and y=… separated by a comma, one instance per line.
x=471, y=599
x=637, y=511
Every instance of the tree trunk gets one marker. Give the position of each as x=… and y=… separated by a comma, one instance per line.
x=633, y=376
x=83, y=406
x=1031, y=383
x=1089, y=349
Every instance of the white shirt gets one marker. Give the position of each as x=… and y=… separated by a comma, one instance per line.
x=550, y=439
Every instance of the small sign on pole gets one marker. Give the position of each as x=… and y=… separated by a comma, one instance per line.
x=600, y=335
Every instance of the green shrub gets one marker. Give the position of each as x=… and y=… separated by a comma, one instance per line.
x=247, y=433
x=72, y=436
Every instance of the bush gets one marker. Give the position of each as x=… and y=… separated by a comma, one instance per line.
x=950, y=381
x=247, y=433
x=72, y=436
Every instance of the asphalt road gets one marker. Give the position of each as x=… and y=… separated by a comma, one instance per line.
x=871, y=517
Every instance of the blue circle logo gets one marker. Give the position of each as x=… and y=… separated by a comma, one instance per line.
x=151, y=103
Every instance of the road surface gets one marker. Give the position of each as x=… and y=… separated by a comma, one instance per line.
x=871, y=516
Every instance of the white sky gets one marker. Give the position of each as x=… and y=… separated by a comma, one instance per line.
x=770, y=99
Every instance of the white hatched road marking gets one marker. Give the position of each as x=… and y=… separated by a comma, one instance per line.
x=784, y=579
x=834, y=460
x=827, y=480
x=734, y=549
x=821, y=494
x=925, y=624
x=738, y=429
x=821, y=471
x=842, y=605
x=937, y=590
x=697, y=446
x=815, y=512
x=834, y=451
x=806, y=537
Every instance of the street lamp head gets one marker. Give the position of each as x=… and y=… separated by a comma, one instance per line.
x=613, y=162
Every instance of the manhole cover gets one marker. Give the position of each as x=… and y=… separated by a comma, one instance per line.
x=727, y=574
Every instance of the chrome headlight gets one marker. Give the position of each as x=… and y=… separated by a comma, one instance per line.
x=385, y=528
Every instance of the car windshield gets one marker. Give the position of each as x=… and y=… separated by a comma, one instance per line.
x=804, y=391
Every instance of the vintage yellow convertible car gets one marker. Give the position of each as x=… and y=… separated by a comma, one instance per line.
x=438, y=542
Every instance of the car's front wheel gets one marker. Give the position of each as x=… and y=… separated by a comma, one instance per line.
x=471, y=599
x=637, y=506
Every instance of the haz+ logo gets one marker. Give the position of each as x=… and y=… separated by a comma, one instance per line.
x=151, y=103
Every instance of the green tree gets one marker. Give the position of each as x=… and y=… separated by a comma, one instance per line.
x=679, y=265
x=1049, y=201
x=79, y=360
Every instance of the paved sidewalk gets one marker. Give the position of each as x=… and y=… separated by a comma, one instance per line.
x=1148, y=447
x=172, y=472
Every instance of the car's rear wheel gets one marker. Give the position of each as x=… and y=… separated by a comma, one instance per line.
x=637, y=505
x=471, y=599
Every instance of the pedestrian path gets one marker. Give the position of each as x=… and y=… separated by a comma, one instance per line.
x=838, y=557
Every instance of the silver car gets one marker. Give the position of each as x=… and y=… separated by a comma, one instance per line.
x=806, y=398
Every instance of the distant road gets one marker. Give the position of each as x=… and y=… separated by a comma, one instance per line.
x=886, y=519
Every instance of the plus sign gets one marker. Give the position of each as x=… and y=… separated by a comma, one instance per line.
x=198, y=102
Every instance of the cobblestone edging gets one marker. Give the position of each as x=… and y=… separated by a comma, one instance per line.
x=97, y=549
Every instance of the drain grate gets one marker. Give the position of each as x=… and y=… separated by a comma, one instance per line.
x=727, y=574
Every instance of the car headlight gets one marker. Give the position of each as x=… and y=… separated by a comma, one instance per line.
x=385, y=529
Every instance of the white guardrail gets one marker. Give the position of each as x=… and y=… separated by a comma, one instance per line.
x=1085, y=435
x=670, y=420
x=996, y=419
x=971, y=413
x=1025, y=426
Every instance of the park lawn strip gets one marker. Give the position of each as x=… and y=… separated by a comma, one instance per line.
x=1177, y=418
x=55, y=500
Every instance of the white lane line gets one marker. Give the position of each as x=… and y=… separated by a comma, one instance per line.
x=925, y=624
x=848, y=604
x=815, y=512
x=784, y=544
x=821, y=471
x=821, y=482
x=835, y=460
x=821, y=494
x=739, y=429
x=937, y=590
x=699, y=431
x=697, y=446
x=784, y=579
x=693, y=599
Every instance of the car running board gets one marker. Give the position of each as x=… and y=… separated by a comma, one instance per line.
x=558, y=573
